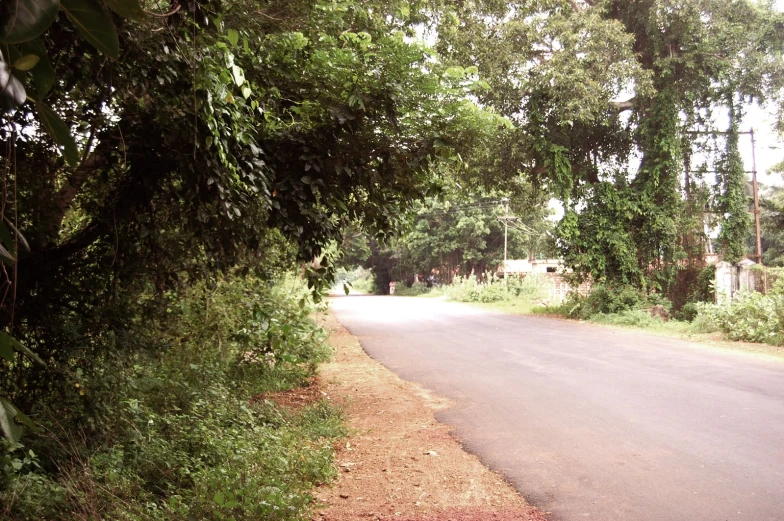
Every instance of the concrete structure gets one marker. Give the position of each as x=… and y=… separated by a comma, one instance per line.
x=535, y=266
x=743, y=276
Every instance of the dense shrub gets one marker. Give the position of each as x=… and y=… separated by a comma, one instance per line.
x=494, y=289
x=528, y=287
x=688, y=312
x=751, y=317
x=182, y=439
x=704, y=289
x=470, y=289
x=602, y=300
x=417, y=288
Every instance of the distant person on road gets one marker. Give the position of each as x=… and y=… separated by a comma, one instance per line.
x=392, y=287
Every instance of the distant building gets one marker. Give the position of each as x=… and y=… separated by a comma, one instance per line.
x=535, y=266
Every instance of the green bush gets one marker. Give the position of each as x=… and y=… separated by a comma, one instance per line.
x=530, y=287
x=688, y=312
x=602, y=300
x=416, y=289
x=628, y=317
x=494, y=289
x=709, y=318
x=470, y=289
x=704, y=289
x=182, y=438
x=750, y=317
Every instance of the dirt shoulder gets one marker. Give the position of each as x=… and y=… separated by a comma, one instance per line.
x=400, y=462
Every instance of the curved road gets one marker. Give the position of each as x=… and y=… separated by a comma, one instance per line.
x=589, y=422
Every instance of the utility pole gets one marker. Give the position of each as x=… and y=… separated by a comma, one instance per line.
x=758, y=252
x=506, y=230
x=506, y=218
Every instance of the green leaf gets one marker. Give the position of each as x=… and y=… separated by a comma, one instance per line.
x=7, y=414
x=6, y=347
x=12, y=92
x=8, y=239
x=26, y=62
x=23, y=20
x=43, y=73
x=22, y=418
x=233, y=36
x=239, y=75
x=6, y=255
x=94, y=24
x=219, y=499
x=18, y=346
x=130, y=9
x=59, y=131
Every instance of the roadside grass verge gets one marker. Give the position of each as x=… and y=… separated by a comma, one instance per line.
x=520, y=306
x=641, y=321
x=753, y=324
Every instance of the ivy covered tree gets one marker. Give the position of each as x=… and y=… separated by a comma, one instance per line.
x=732, y=201
x=608, y=99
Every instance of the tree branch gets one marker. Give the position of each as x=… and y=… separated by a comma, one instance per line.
x=69, y=191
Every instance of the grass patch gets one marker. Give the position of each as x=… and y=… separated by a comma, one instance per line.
x=640, y=319
x=323, y=420
x=520, y=306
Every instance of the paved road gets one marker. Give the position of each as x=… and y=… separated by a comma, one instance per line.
x=588, y=422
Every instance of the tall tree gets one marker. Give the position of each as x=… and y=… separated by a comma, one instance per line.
x=218, y=134
x=602, y=94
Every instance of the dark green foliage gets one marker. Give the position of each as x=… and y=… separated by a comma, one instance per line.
x=704, y=291
x=688, y=312
x=219, y=138
x=605, y=299
x=598, y=242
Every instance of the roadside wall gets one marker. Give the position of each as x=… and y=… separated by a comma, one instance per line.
x=744, y=276
x=558, y=288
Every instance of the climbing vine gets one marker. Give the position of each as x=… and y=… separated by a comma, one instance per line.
x=732, y=203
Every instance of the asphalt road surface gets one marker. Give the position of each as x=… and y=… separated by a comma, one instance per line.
x=589, y=422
